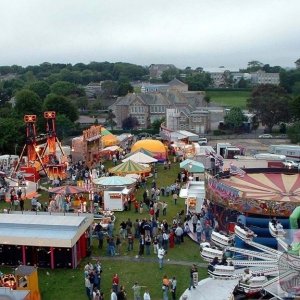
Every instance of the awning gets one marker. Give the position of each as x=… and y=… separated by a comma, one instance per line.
x=183, y=193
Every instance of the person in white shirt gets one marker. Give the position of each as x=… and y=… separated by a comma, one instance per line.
x=147, y=295
x=113, y=295
x=160, y=254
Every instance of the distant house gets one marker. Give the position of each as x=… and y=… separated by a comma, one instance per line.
x=178, y=85
x=197, y=121
x=156, y=70
x=152, y=104
x=218, y=79
x=261, y=77
x=297, y=62
x=92, y=89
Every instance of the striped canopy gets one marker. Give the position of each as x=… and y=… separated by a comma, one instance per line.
x=129, y=167
x=67, y=190
x=142, y=150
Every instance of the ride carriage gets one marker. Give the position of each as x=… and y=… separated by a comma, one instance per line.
x=221, y=271
x=208, y=253
x=221, y=240
x=243, y=232
x=253, y=285
x=276, y=230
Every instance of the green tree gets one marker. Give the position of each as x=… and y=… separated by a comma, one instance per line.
x=110, y=119
x=63, y=88
x=254, y=65
x=234, y=119
x=41, y=88
x=64, y=126
x=156, y=124
x=11, y=134
x=130, y=123
x=293, y=132
x=61, y=105
x=124, y=87
x=27, y=103
x=170, y=74
x=198, y=81
x=109, y=88
x=243, y=83
x=271, y=104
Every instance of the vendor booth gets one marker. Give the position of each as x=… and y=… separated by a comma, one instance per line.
x=115, y=198
x=194, y=168
x=195, y=195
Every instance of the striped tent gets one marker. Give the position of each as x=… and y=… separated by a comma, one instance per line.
x=142, y=150
x=107, y=138
x=129, y=167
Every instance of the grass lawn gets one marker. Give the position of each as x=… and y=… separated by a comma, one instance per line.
x=69, y=284
x=229, y=98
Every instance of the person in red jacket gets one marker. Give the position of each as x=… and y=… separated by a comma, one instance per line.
x=172, y=239
x=115, y=283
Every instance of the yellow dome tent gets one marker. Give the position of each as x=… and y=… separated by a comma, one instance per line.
x=154, y=146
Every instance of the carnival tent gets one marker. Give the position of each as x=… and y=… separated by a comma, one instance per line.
x=142, y=150
x=114, y=181
x=141, y=158
x=110, y=148
x=156, y=147
x=67, y=190
x=192, y=166
x=129, y=167
x=107, y=138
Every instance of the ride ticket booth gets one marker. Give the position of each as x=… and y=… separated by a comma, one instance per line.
x=115, y=198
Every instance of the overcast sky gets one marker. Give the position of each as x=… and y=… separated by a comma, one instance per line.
x=196, y=33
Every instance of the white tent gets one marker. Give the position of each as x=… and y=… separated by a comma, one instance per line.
x=140, y=158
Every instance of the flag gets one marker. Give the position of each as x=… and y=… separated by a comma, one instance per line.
x=234, y=170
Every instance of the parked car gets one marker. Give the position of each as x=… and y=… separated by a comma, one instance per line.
x=265, y=136
x=291, y=164
x=202, y=141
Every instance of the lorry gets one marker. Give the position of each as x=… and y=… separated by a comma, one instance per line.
x=226, y=150
x=292, y=152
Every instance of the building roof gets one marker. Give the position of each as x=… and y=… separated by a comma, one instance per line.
x=43, y=229
x=175, y=82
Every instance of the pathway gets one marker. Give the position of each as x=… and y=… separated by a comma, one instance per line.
x=142, y=259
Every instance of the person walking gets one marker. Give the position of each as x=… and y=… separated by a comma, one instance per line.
x=192, y=271
x=88, y=287
x=194, y=222
x=165, y=287
x=175, y=197
x=160, y=254
x=173, y=287
x=137, y=291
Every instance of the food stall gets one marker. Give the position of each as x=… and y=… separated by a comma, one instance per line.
x=115, y=198
x=194, y=194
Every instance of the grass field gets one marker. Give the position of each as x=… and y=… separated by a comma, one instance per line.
x=229, y=98
x=69, y=284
